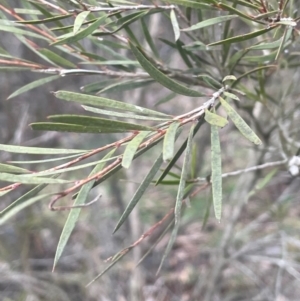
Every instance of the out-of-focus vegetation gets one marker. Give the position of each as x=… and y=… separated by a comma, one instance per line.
x=172, y=124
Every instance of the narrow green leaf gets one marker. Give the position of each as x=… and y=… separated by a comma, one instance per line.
x=35, y=49
x=165, y=99
x=232, y=96
x=175, y=24
x=123, y=115
x=153, y=245
x=83, y=33
x=131, y=149
x=216, y=171
x=47, y=20
x=178, y=154
x=26, y=11
x=20, y=31
x=140, y=191
x=282, y=44
x=12, y=169
x=236, y=11
x=160, y=77
x=229, y=77
x=80, y=18
x=116, y=259
x=21, y=203
x=184, y=173
x=75, y=128
x=264, y=46
x=215, y=119
x=57, y=59
x=105, y=102
x=68, y=169
x=210, y=22
x=194, y=4
x=169, y=247
x=240, y=123
x=148, y=38
x=184, y=53
x=169, y=141
x=39, y=150
x=263, y=182
x=98, y=122
x=207, y=213
x=210, y=81
x=74, y=213
x=45, y=160
x=33, y=85
x=6, y=177
x=242, y=38
x=255, y=70
x=121, y=86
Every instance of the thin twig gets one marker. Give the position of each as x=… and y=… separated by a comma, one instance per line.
x=241, y=171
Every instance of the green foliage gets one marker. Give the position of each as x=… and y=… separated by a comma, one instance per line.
x=219, y=60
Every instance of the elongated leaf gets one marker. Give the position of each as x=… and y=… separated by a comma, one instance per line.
x=263, y=182
x=210, y=22
x=184, y=173
x=148, y=38
x=240, y=123
x=160, y=77
x=124, y=21
x=216, y=171
x=169, y=141
x=74, y=213
x=131, y=149
x=98, y=122
x=153, y=245
x=57, y=59
x=83, y=33
x=6, y=177
x=105, y=102
x=39, y=150
x=75, y=128
x=68, y=169
x=12, y=169
x=178, y=154
x=194, y=4
x=47, y=20
x=253, y=71
x=116, y=259
x=80, y=18
x=20, y=31
x=236, y=11
x=123, y=115
x=215, y=119
x=175, y=24
x=140, y=191
x=165, y=99
x=35, y=49
x=22, y=203
x=125, y=86
x=242, y=38
x=229, y=77
x=232, y=96
x=33, y=85
x=44, y=160
x=169, y=247
x=210, y=81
